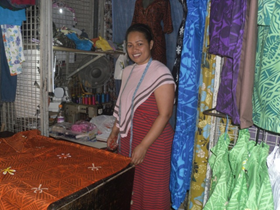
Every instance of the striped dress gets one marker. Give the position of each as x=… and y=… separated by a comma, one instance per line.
x=151, y=180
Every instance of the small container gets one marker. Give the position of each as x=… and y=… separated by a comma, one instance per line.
x=60, y=117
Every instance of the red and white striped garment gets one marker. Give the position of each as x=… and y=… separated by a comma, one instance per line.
x=151, y=180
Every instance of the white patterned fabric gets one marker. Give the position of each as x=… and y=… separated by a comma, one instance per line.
x=13, y=48
x=273, y=163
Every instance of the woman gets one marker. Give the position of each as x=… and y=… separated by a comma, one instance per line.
x=142, y=112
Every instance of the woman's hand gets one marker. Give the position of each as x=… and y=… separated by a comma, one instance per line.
x=113, y=137
x=138, y=154
x=112, y=142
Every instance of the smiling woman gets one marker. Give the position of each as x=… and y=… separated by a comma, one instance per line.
x=139, y=45
x=142, y=112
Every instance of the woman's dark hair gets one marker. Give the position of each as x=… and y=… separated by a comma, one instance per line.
x=142, y=28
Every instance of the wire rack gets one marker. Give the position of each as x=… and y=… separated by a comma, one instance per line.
x=23, y=113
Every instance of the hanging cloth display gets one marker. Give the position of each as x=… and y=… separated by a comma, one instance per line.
x=208, y=74
x=9, y=17
x=8, y=82
x=13, y=48
x=182, y=149
x=265, y=196
x=257, y=174
x=16, y=4
x=238, y=157
x=158, y=12
x=226, y=35
x=273, y=163
x=266, y=97
x=245, y=82
x=222, y=176
x=179, y=46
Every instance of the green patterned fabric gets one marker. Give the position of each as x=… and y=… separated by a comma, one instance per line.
x=253, y=181
x=221, y=176
x=259, y=188
x=265, y=197
x=240, y=179
x=266, y=96
x=238, y=158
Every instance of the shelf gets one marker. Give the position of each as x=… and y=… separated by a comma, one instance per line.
x=65, y=49
x=98, y=55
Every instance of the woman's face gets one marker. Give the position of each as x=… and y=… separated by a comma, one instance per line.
x=138, y=48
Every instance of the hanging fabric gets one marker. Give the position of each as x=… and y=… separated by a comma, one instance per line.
x=9, y=17
x=8, y=82
x=238, y=157
x=221, y=176
x=13, y=48
x=273, y=163
x=179, y=46
x=245, y=82
x=266, y=95
x=182, y=149
x=242, y=182
x=158, y=12
x=226, y=34
x=202, y=135
x=259, y=189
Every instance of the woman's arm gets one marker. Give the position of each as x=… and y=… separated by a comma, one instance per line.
x=164, y=98
x=113, y=137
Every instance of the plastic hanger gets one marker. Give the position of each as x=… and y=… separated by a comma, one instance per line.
x=209, y=112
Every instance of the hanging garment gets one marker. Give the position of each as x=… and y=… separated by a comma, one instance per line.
x=266, y=95
x=222, y=176
x=203, y=132
x=220, y=22
x=13, y=48
x=265, y=196
x=23, y=2
x=253, y=167
x=157, y=12
x=182, y=149
x=16, y=4
x=238, y=157
x=179, y=46
x=245, y=82
x=151, y=179
x=226, y=100
x=226, y=33
x=273, y=163
x=8, y=82
x=9, y=17
x=259, y=189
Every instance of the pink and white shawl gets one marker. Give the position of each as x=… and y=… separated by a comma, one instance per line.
x=158, y=74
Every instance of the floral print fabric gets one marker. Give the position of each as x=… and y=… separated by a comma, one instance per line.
x=37, y=171
x=13, y=48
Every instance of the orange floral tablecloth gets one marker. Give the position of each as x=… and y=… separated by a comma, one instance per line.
x=36, y=171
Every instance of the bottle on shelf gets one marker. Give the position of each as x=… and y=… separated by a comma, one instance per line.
x=60, y=117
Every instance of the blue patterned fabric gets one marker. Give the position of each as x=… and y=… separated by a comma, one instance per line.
x=9, y=17
x=182, y=149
